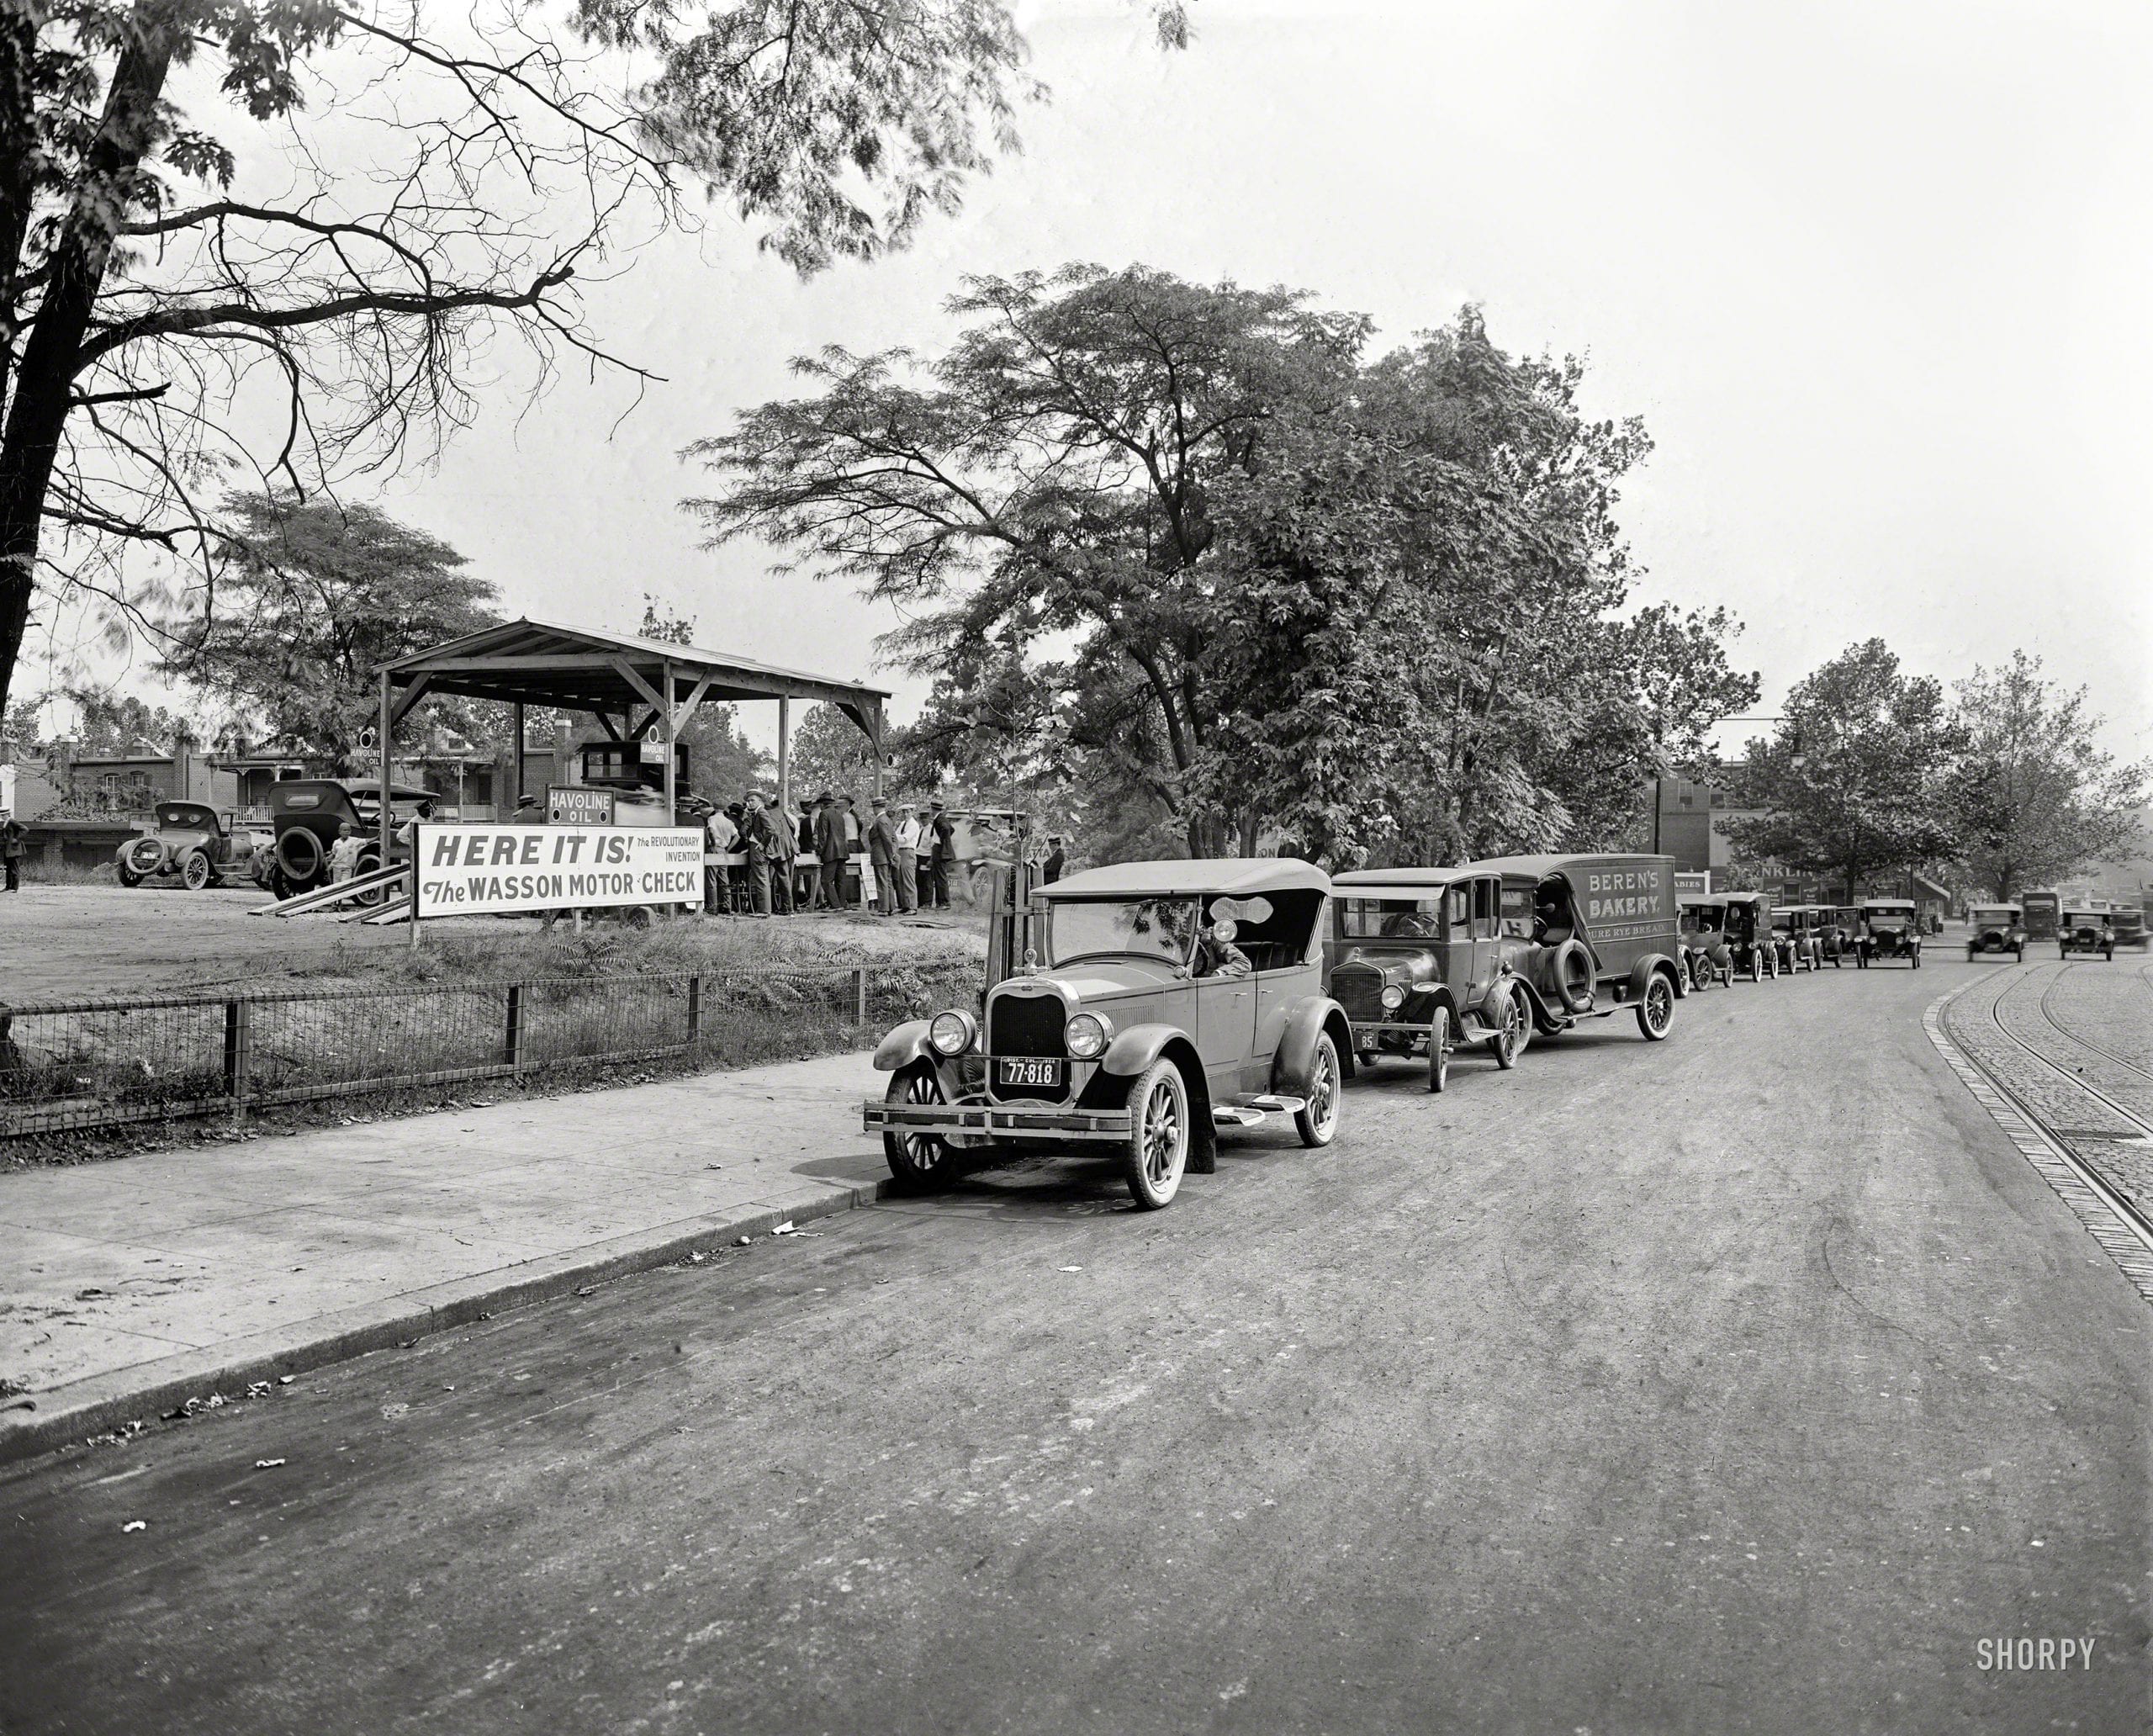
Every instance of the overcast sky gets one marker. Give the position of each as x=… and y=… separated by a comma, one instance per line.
x=1876, y=277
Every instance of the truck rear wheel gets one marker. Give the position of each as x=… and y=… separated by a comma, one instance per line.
x=1656, y=1011
x=1156, y=1154
x=918, y=1160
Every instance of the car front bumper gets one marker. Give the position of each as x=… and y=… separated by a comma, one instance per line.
x=984, y=1120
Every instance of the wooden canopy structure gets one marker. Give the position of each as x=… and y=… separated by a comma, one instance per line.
x=633, y=686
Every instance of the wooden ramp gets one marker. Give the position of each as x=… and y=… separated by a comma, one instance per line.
x=387, y=882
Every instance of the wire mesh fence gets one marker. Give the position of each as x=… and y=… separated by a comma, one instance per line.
x=86, y=1064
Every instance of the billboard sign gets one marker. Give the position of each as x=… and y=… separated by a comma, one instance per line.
x=506, y=871
x=574, y=805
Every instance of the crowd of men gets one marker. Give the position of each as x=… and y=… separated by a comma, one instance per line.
x=800, y=862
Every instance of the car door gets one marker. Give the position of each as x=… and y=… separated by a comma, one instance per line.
x=1225, y=1027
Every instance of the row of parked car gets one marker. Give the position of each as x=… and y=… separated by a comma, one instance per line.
x=1160, y=1002
x=1730, y=935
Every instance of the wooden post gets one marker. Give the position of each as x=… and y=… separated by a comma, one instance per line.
x=512, y=1046
x=518, y=796
x=785, y=756
x=859, y=985
x=665, y=691
x=387, y=820
x=239, y=1056
x=694, y=1011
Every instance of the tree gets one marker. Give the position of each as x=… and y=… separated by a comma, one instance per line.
x=315, y=596
x=1854, y=782
x=147, y=324
x=2035, y=797
x=107, y=722
x=830, y=752
x=722, y=764
x=1365, y=602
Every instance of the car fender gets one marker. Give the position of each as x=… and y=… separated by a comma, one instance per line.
x=1134, y=1050
x=1544, y=1017
x=1642, y=973
x=903, y=1047
x=1306, y=1020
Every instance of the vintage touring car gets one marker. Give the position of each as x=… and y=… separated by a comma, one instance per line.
x=195, y=842
x=308, y=812
x=1167, y=999
x=1838, y=927
x=1702, y=918
x=1995, y=928
x=1747, y=926
x=1797, y=931
x=1488, y=953
x=1890, y=928
x=2089, y=931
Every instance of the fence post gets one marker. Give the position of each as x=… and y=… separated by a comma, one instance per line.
x=694, y=1011
x=239, y=1055
x=859, y=986
x=512, y=1050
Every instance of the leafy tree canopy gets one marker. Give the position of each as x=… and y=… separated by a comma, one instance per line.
x=313, y=598
x=722, y=764
x=1853, y=782
x=1257, y=580
x=318, y=218
x=2035, y=797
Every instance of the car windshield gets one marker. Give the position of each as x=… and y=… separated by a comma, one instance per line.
x=1993, y=913
x=1162, y=928
x=1390, y=919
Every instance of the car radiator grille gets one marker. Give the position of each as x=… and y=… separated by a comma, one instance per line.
x=1025, y=1024
x=1358, y=988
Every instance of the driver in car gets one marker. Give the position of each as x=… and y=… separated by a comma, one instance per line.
x=1216, y=955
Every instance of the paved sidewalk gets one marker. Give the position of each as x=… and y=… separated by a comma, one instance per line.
x=149, y=1279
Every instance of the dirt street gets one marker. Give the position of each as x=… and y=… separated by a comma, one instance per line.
x=1745, y=1382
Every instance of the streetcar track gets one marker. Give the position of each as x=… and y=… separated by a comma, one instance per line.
x=2086, y=1043
x=2118, y=1204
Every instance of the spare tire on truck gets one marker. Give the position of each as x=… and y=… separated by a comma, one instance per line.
x=147, y=856
x=1571, y=972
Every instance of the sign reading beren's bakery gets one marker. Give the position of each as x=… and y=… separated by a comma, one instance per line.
x=492, y=870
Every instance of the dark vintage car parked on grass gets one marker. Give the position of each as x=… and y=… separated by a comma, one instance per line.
x=191, y=840
x=1750, y=947
x=1798, y=935
x=1995, y=928
x=1890, y=929
x=2087, y=931
x=1491, y=952
x=307, y=813
x=1170, y=999
x=1702, y=927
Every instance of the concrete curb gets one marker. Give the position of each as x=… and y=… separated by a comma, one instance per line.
x=83, y=1409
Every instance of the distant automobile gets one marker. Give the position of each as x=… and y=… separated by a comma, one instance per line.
x=1750, y=949
x=2087, y=931
x=194, y=842
x=1995, y=928
x=1890, y=928
x=1797, y=931
x=1704, y=955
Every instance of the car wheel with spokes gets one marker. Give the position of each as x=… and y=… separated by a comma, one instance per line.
x=1439, y=1052
x=1156, y=1156
x=1656, y=1011
x=1515, y=1032
x=194, y=872
x=1318, y=1124
x=917, y=1159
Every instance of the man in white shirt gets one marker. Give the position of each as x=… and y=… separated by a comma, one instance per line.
x=909, y=832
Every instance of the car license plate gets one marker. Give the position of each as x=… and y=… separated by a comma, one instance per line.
x=1012, y=1075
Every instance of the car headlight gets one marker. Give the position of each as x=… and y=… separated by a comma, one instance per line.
x=1394, y=998
x=1087, y=1034
x=951, y=1034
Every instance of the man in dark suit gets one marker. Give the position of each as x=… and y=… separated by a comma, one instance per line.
x=882, y=854
x=1051, y=871
x=943, y=852
x=830, y=850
